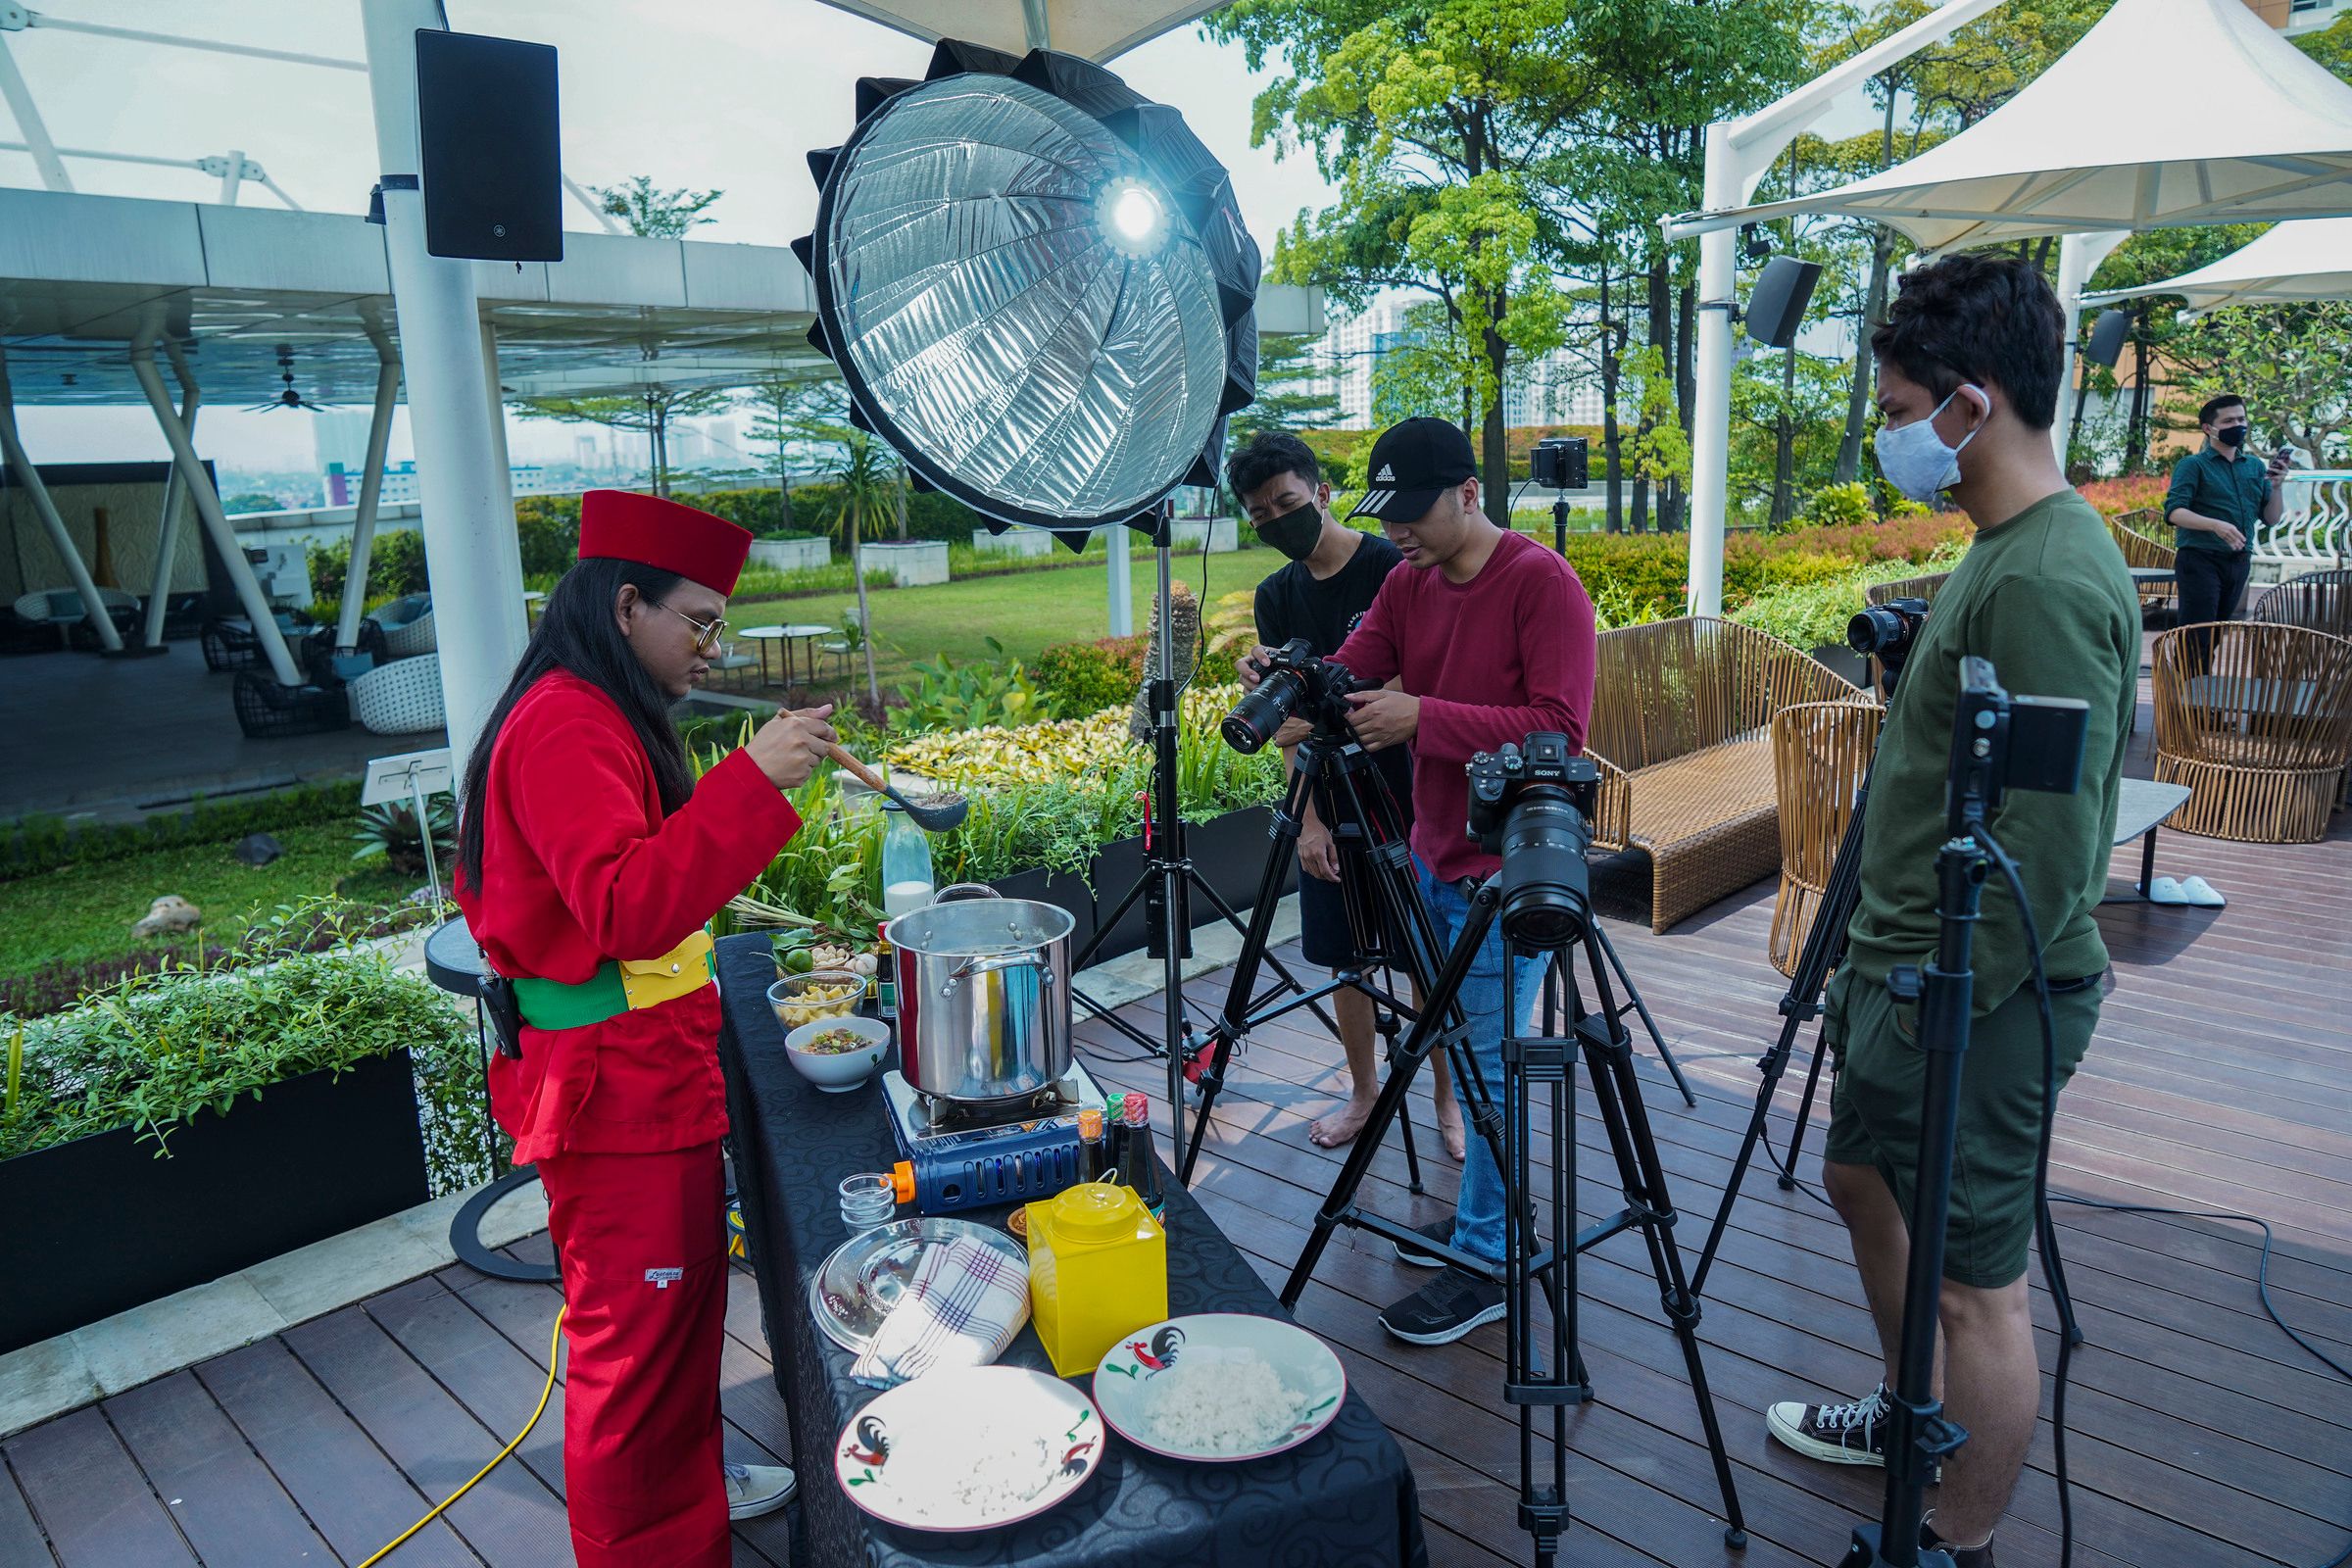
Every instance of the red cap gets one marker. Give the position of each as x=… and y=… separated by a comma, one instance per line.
x=1134, y=1108
x=622, y=525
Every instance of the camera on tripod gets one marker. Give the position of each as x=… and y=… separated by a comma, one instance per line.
x=1887, y=633
x=1558, y=463
x=1533, y=804
x=1295, y=684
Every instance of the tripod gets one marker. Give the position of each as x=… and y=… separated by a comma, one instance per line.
x=1169, y=878
x=1556, y=1375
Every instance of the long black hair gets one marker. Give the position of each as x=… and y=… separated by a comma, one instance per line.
x=576, y=633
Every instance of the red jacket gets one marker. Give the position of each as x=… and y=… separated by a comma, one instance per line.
x=579, y=865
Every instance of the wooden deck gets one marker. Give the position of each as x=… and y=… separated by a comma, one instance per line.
x=2222, y=1077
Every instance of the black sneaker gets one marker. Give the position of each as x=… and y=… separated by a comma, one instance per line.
x=1444, y=1309
x=1853, y=1433
x=1413, y=1256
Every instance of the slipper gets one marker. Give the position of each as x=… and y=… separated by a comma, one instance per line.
x=2203, y=894
x=2165, y=890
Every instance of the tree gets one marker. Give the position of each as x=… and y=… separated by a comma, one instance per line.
x=1430, y=116
x=870, y=483
x=791, y=415
x=652, y=410
x=2286, y=361
x=652, y=214
x=1287, y=367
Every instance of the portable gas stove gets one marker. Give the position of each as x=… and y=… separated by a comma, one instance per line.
x=973, y=1157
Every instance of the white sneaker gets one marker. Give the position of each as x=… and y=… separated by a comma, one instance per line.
x=756, y=1489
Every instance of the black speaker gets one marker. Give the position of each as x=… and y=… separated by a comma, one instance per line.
x=1776, y=306
x=486, y=127
x=2108, y=336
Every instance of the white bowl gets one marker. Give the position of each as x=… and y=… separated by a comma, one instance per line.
x=838, y=1073
x=1137, y=1373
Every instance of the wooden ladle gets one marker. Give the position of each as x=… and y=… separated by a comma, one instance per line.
x=930, y=818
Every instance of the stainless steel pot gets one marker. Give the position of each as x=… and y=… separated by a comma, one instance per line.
x=991, y=979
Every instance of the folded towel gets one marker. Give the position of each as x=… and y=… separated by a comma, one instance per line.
x=963, y=1308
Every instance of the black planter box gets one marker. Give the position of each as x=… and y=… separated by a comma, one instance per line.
x=1229, y=851
x=100, y=1225
x=1059, y=889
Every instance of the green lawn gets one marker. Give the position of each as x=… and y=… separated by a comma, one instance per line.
x=1025, y=610
x=81, y=913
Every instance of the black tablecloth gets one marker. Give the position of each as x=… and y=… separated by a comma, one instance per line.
x=1346, y=1498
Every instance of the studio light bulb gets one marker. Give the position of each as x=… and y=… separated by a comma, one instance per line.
x=1135, y=222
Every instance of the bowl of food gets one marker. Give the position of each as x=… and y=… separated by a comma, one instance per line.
x=837, y=1054
x=818, y=994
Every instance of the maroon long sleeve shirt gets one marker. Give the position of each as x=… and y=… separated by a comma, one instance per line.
x=1509, y=651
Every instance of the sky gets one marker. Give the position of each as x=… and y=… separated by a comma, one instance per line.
x=713, y=94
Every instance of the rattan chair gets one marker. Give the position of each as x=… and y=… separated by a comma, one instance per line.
x=1927, y=587
x=1820, y=753
x=2142, y=549
x=1681, y=727
x=2318, y=600
x=402, y=698
x=2259, y=728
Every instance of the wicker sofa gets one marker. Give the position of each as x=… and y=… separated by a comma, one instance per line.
x=2140, y=548
x=1682, y=728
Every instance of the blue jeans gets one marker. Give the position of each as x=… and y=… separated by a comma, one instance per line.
x=1478, y=1212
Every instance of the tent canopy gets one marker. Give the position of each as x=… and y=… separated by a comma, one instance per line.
x=2266, y=133
x=2310, y=259
x=1094, y=28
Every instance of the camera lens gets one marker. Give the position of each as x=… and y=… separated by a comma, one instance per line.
x=1255, y=717
x=1546, y=888
x=1877, y=632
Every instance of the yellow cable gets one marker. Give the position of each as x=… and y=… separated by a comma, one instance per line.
x=554, y=1340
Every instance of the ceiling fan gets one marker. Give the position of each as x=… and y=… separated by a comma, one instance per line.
x=289, y=398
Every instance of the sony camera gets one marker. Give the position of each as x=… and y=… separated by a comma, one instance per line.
x=1888, y=632
x=1297, y=684
x=1533, y=804
x=1558, y=463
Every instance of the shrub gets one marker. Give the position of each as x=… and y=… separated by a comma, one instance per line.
x=1841, y=505
x=1809, y=613
x=1642, y=577
x=2132, y=493
x=45, y=843
x=152, y=1050
x=1081, y=678
x=946, y=695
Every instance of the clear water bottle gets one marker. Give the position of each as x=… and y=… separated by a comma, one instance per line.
x=907, y=884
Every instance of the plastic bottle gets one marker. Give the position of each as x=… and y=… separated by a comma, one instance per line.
x=907, y=884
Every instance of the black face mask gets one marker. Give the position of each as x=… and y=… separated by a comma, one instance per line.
x=2232, y=437
x=1294, y=533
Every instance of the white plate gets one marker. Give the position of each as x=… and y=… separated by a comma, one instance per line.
x=1131, y=1385
x=925, y=1454
x=857, y=1285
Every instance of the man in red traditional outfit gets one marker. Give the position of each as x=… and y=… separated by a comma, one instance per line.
x=589, y=862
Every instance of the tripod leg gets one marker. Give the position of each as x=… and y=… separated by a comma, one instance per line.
x=1804, y=1114
x=1650, y=1024
x=1280, y=972
x=1775, y=1064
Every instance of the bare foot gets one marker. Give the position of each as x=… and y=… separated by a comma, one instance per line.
x=1450, y=1129
x=1339, y=1129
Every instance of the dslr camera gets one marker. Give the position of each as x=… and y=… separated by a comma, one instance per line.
x=1295, y=684
x=1888, y=632
x=1533, y=804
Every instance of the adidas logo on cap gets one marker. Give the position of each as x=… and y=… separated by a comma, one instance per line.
x=1386, y=476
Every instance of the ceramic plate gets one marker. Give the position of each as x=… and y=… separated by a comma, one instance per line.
x=858, y=1284
x=1204, y=1358
x=970, y=1449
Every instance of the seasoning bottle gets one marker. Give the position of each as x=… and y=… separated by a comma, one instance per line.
x=1139, y=1165
x=1091, y=1157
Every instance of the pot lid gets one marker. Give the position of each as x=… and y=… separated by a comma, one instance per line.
x=1094, y=1212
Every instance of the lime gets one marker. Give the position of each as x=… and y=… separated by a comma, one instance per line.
x=799, y=960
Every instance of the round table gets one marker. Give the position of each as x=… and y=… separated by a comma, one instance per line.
x=454, y=961
x=804, y=634
x=763, y=635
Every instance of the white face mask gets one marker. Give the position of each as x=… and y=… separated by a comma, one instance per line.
x=1914, y=458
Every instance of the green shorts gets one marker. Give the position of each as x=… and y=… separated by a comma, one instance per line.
x=1875, y=1113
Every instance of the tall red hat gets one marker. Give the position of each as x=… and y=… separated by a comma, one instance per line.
x=622, y=525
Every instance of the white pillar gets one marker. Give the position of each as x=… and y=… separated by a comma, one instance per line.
x=175, y=501
x=19, y=99
x=199, y=486
x=371, y=490
x=1711, y=407
x=1122, y=584
x=231, y=177
x=497, y=416
x=470, y=549
x=12, y=449
x=2078, y=255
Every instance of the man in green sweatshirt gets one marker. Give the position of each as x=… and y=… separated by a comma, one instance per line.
x=1970, y=362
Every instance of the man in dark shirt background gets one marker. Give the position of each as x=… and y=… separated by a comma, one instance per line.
x=2218, y=495
x=1334, y=573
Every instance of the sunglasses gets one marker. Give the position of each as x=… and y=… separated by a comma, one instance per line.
x=706, y=633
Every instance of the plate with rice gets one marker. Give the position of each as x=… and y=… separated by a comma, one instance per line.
x=970, y=1449
x=1219, y=1388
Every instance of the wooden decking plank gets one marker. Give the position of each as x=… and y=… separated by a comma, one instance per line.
x=90, y=1498
x=21, y=1539
x=511, y=1519
x=226, y=1502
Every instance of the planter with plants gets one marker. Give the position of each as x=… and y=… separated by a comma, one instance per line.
x=179, y=1126
x=792, y=554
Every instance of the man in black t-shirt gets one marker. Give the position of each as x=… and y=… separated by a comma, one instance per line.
x=1334, y=573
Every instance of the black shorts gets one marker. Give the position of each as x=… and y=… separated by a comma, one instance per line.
x=1323, y=934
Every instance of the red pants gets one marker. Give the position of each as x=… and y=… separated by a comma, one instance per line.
x=643, y=1245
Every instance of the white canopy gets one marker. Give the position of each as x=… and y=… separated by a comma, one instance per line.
x=1094, y=28
x=2310, y=259
x=2242, y=126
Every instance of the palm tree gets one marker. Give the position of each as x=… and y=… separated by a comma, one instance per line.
x=869, y=488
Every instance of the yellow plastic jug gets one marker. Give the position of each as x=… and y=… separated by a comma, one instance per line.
x=1097, y=1271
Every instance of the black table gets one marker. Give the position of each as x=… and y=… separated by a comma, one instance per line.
x=1346, y=1498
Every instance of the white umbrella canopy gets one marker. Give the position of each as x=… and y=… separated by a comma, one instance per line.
x=2267, y=132
x=2308, y=259
x=1094, y=28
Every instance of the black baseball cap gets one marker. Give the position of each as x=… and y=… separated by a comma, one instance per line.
x=1413, y=464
